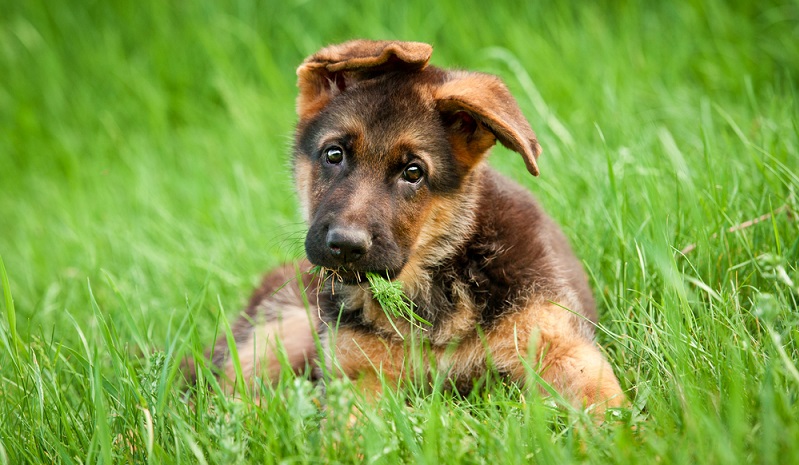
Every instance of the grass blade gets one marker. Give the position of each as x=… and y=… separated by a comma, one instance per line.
x=11, y=314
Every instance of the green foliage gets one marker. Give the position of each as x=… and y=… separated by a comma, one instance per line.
x=145, y=185
x=394, y=302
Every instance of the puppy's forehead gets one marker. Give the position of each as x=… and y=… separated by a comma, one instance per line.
x=383, y=115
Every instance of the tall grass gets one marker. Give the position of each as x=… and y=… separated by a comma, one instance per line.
x=145, y=185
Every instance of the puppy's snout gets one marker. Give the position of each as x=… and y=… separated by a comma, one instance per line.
x=348, y=245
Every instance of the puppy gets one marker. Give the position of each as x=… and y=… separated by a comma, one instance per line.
x=389, y=167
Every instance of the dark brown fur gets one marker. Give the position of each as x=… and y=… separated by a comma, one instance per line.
x=475, y=253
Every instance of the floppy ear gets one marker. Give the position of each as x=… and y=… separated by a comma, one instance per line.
x=478, y=109
x=331, y=70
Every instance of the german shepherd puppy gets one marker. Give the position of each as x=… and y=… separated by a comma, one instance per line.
x=389, y=167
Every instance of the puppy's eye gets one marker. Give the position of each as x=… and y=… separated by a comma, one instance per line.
x=334, y=155
x=412, y=173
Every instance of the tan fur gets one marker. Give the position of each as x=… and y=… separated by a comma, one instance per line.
x=303, y=182
x=445, y=215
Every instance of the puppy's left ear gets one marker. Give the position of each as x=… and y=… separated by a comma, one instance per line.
x=478, y=109
x=333, y=69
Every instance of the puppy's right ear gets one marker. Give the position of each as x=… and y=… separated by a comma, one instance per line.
x=331, y=70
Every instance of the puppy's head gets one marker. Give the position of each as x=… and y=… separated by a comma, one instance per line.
x=383, y=140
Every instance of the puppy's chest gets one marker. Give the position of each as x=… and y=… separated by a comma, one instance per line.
x=455, y=299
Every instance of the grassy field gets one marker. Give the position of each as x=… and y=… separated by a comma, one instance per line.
x=145, y=186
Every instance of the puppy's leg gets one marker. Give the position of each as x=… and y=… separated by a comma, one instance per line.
x=569, y=360
x=276, y=317
x=578, y=370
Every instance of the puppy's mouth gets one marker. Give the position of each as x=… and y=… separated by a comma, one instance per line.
x=348, y=253
x=344, y=275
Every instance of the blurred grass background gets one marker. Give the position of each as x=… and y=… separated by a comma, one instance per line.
x=145, y=185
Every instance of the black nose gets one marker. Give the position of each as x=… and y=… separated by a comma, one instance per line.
x=348, y=244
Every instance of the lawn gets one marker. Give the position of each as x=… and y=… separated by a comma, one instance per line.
x=145, y=185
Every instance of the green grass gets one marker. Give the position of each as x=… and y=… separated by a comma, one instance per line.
x=145, y=185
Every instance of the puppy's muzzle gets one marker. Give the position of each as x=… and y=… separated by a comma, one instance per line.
x=347, y=244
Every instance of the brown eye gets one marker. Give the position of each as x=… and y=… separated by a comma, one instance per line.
x=334, y=155
x=412, y=173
